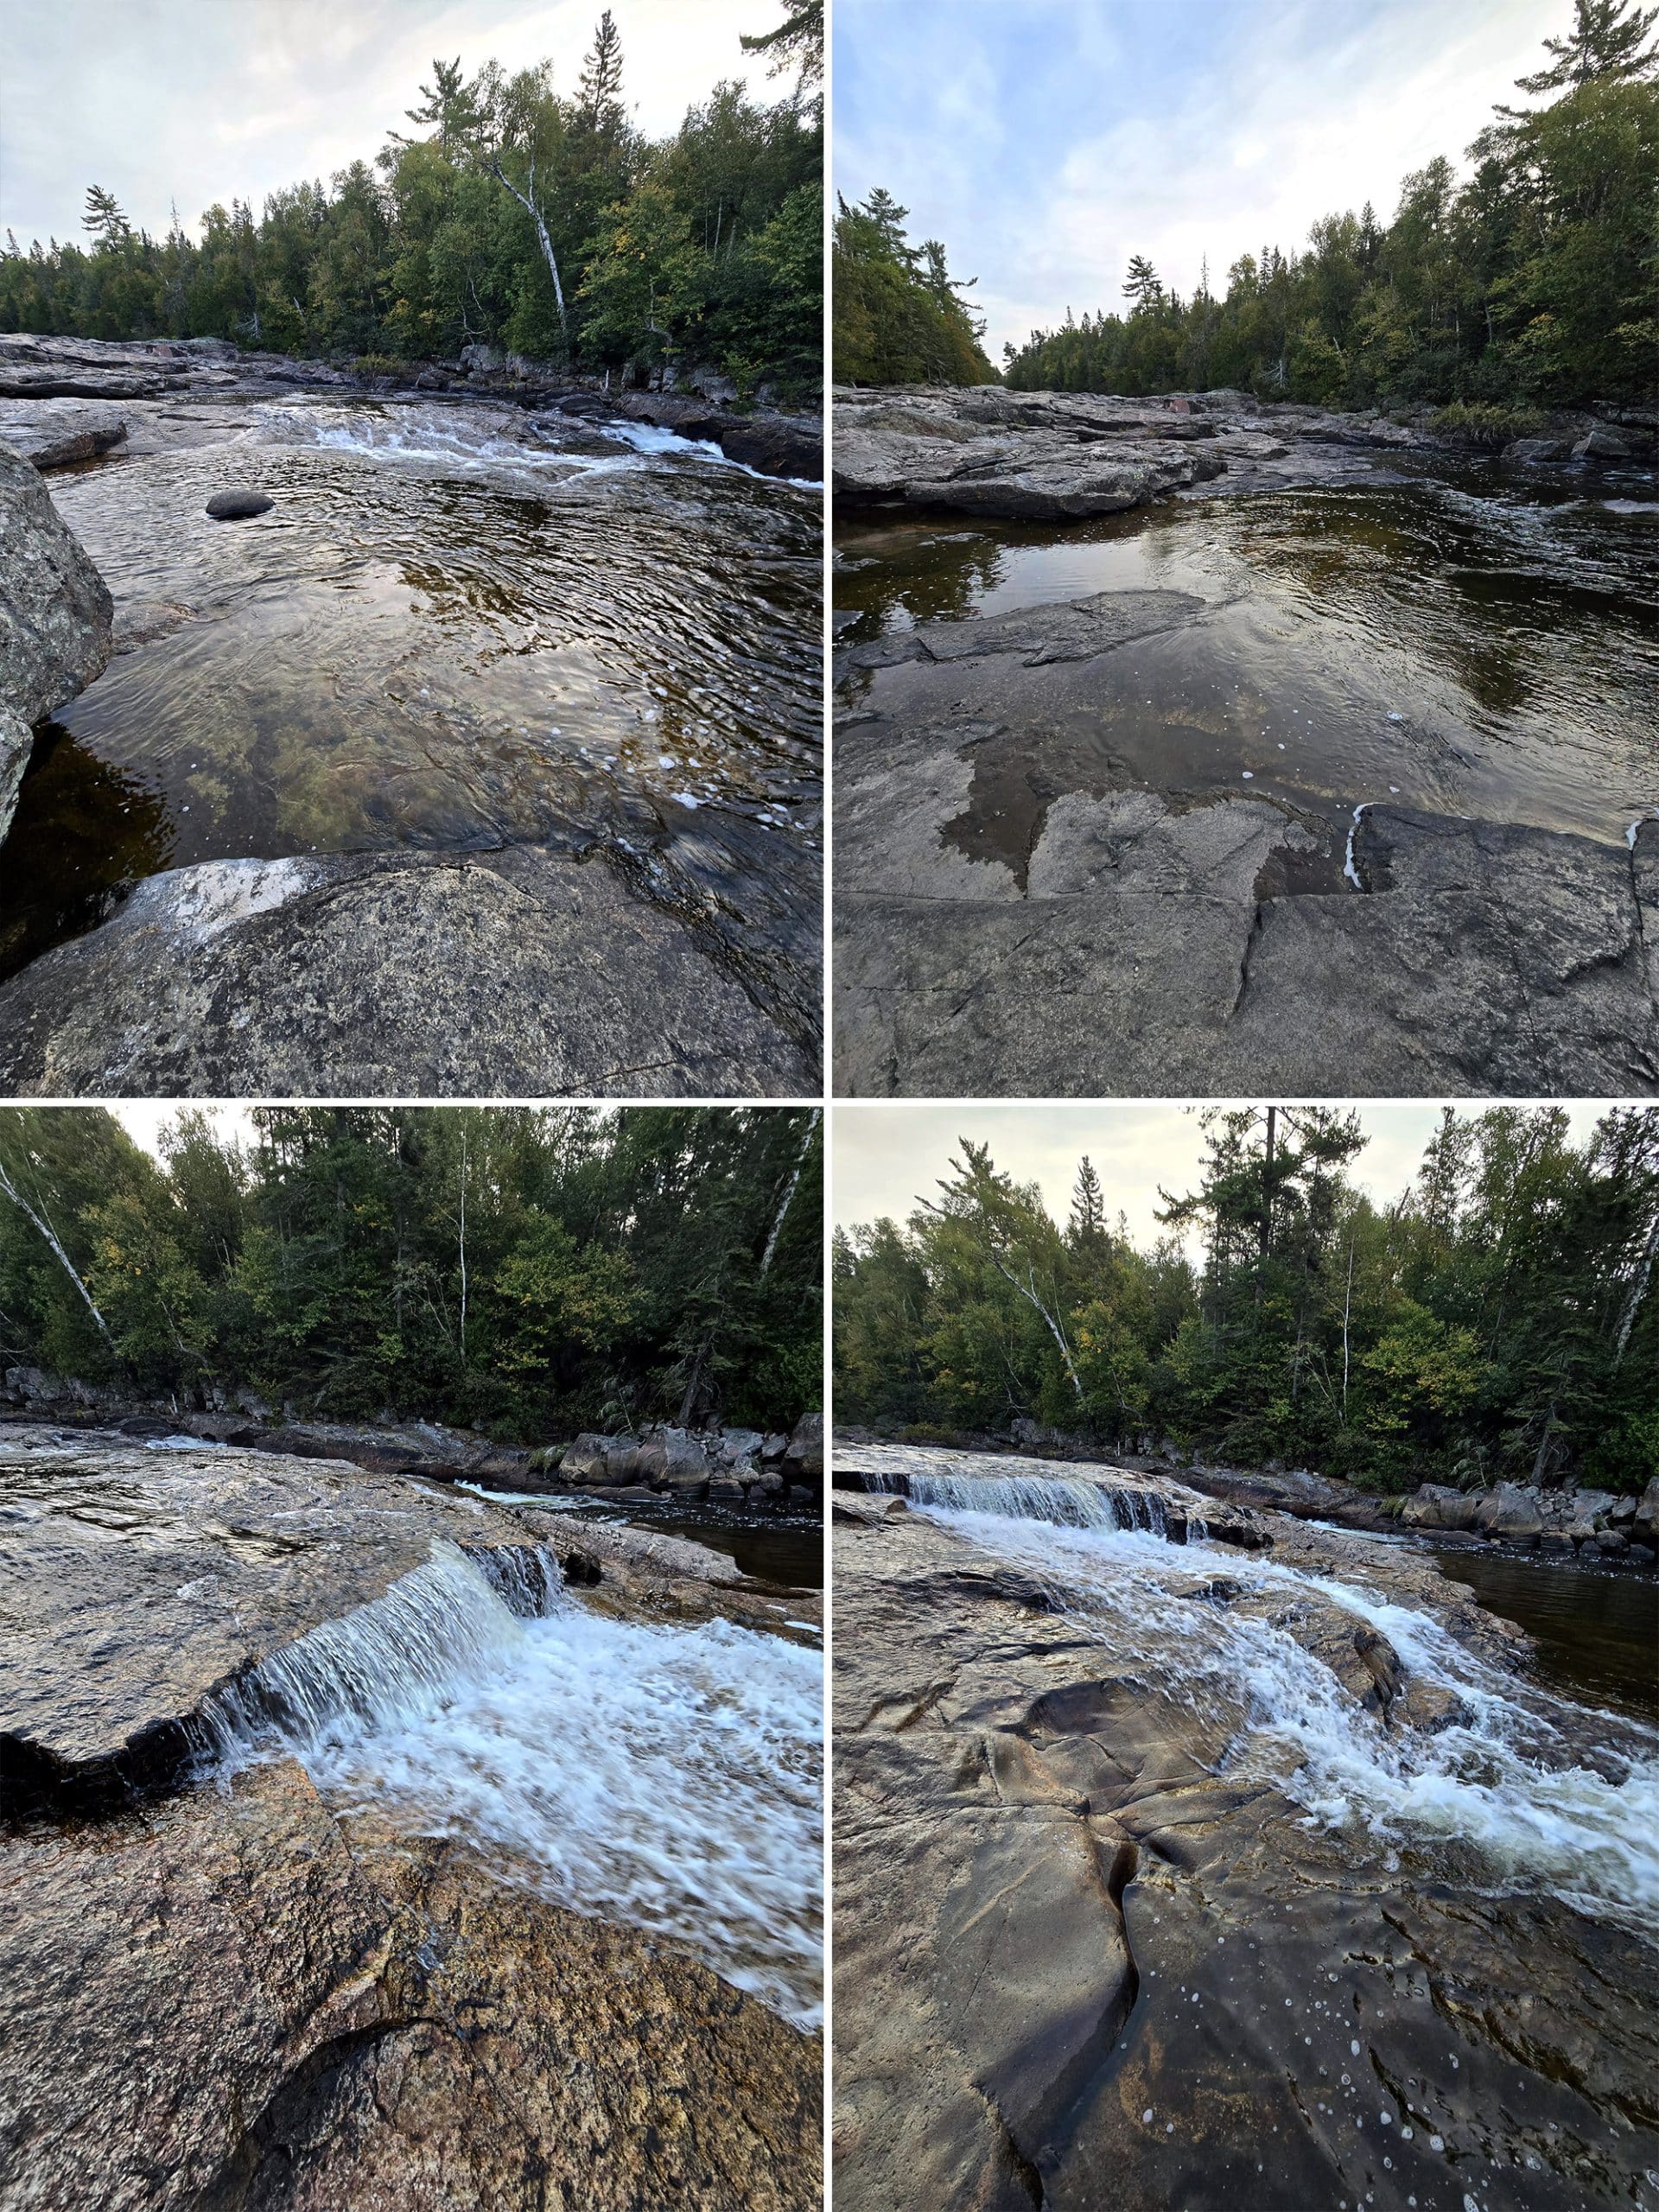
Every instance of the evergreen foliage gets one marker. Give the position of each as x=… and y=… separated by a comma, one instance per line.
x=522, y=217
x=529, y=1271
x=1500, y=1319
x=1534, y=281
x=899, y=316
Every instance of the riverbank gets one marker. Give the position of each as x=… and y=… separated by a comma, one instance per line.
x=386, y=1776
x=498, y=719
x=1218, y=1873
x=1330, y=770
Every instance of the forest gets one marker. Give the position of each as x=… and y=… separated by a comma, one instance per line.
x=519, y=212
x=526, y=1271
x=1499, y=1319
x=899, y=316
x=1531, y=283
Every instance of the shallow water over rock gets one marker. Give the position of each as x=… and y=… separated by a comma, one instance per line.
x=458, y=626
x=1454, y=636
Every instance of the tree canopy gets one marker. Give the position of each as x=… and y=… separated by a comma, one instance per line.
x=901, y=317
x=1499, y=1319
x=529, y=1271
x=520, y=214
x=1533, y=281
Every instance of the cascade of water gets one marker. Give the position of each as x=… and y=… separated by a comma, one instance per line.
x=1070, y=1501
x=390, y=1661
x=1551, y=1795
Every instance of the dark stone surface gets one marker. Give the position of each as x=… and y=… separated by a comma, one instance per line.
x=237, y=507
x=524, y=972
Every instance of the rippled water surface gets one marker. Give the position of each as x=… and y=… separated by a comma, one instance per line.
x=460, y=626
x=1453, y=636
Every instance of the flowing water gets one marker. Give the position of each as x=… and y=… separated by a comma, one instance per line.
x=460, y=626
x=1522, y=1788
x=1447, y=636
x=667, y=1777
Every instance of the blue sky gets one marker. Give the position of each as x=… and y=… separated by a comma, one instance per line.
x=1045, y=141
x=201, y=100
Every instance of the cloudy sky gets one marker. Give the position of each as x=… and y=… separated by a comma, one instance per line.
x=203, y=100
x=1045, y=141
x=884, y=1156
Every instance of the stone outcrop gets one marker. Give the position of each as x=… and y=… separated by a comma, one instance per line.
x=1433, y=1505
x=733, y=1465
x=1086, y=1953
x=1005, y=925
x=59, y=433
x=1034, y=456
x=55, y=618
x=521, y=973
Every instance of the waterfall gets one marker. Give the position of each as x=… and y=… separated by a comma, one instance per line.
x=389, y=1661
x=1069, y=1500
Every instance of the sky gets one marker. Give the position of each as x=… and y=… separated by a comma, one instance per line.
x=204, y=100
x=1045, y=141
x=886, y=1155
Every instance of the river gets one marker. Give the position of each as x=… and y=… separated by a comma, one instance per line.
x=461, y=625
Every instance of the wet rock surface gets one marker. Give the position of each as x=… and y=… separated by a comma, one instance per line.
x=57, y=433
x=1014, y=919
x=1087, y=1950
x=239, y=1992
x=522, y=973
x=238, y=2000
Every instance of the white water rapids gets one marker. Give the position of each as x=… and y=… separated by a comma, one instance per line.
x=668, y=1777
x=1534, y=1791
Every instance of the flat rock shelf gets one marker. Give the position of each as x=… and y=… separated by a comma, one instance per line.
x=1204, y=748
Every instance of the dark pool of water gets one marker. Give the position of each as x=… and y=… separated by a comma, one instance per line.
x=783, y=1547
x=1596, y=1633
x=458, y=626
x=1451, y=637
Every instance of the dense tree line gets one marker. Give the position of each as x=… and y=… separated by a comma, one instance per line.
x=1501, y=1319
x=520, y=215
x=1533, y=281
x=899, y=316
x=529, y=1271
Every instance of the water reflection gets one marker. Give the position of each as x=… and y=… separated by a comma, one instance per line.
x=84, y=833
x=1456, y=640
x=456, y=628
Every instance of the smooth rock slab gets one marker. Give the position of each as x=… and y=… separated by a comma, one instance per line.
x=521, y=974
x=134, y=1583
x=55, y=433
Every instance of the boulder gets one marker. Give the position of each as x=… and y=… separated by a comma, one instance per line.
x=803, y=1461
x=1530, y=450
x=56, y=617
x=672, y=1460
x=1611, y=1540
x=1645, y=1522
x=1640, y=1554
x=525, y=973
x=236, y=507
x=774, y=1447
x=1509, y=1513
x=1622, y=1510
x=1435, y=1505
x=601, y=1461
x=482, y=360
x=1603, y=444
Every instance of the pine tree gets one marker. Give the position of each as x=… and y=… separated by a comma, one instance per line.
x=600, y=92
x=1143, y=284
x=1606, y=43
x=1088, y=1206
x=104, y=217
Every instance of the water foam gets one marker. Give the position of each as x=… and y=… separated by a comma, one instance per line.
x=668, y=1777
